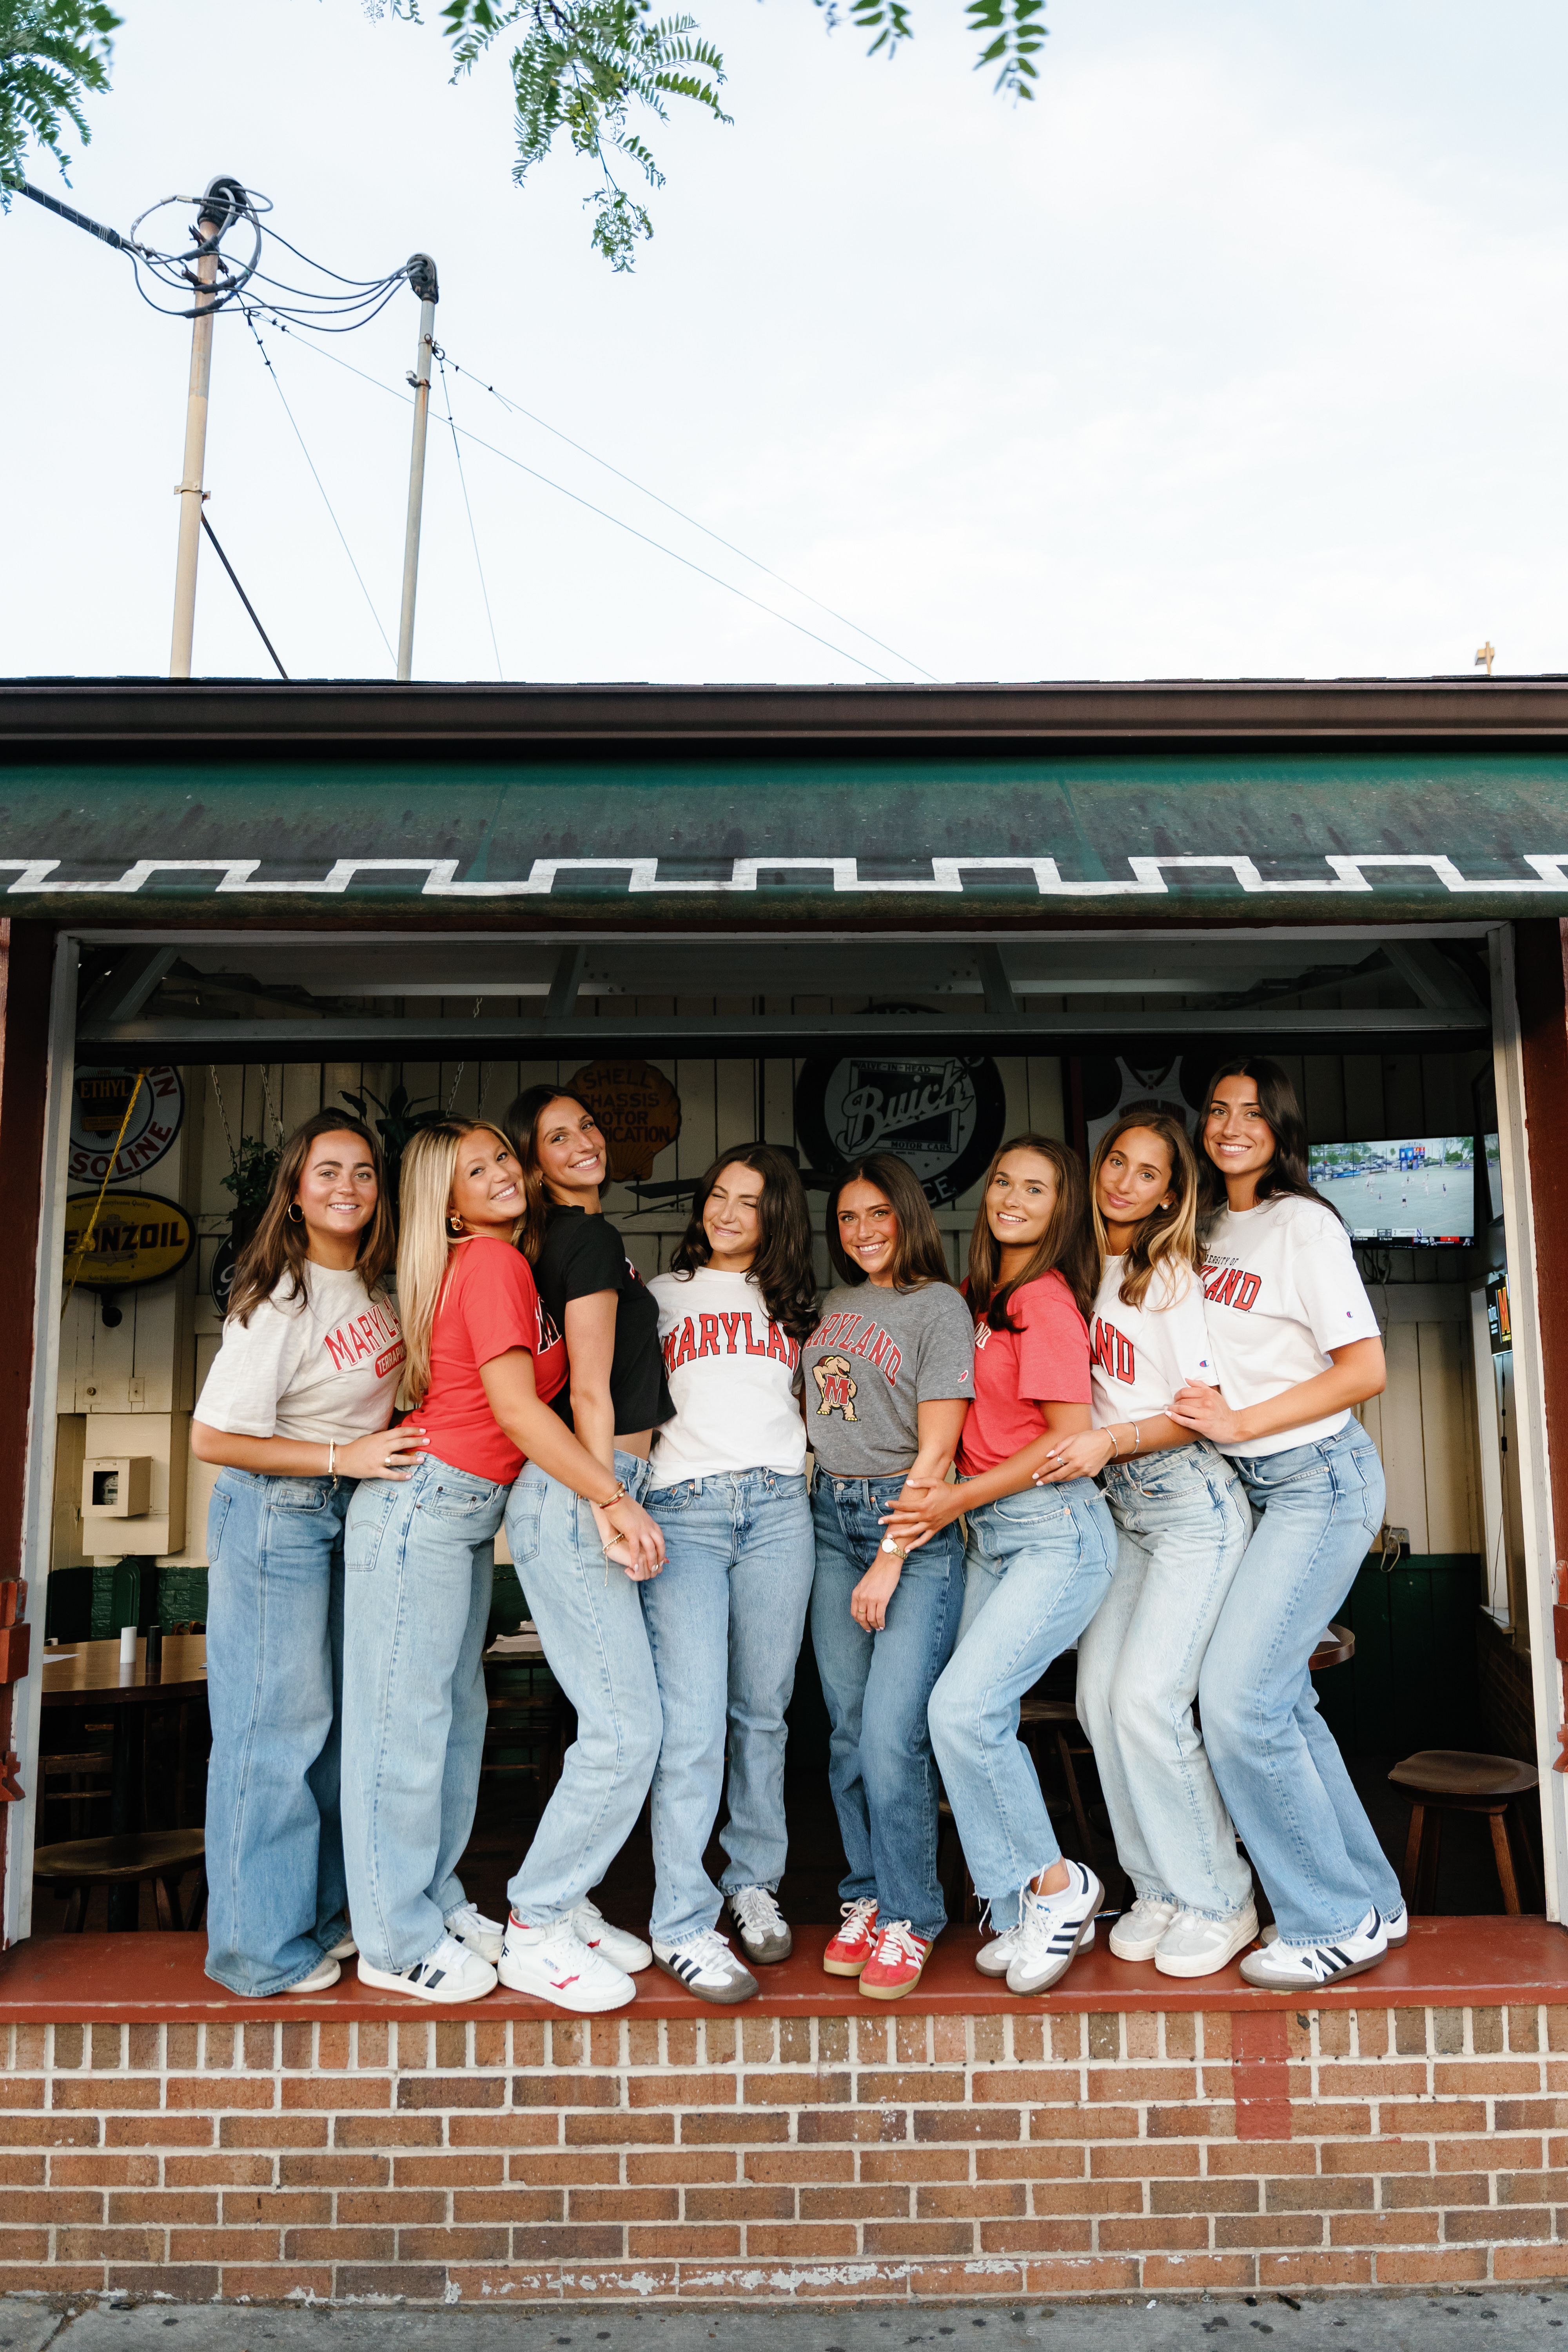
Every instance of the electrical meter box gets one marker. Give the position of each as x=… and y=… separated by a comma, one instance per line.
x=116, y=1486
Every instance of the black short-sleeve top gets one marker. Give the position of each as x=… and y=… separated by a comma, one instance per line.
x=581, y=1254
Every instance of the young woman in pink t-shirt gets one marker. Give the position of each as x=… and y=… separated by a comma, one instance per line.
x=1037, y=1563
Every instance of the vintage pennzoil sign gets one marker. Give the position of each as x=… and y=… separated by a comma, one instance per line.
x=138, y=1237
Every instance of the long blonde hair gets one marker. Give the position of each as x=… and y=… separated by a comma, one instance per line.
x=1167, y=1239
x=424, y=1241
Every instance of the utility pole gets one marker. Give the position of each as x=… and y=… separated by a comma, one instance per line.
x=223, y=199
x=422, y=278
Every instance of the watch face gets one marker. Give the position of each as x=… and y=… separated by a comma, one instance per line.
x=943, y=1115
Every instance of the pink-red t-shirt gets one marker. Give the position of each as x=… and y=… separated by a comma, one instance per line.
x=488, y=1306
x=1045, y=1361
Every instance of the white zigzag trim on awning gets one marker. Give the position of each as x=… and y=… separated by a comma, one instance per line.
x=237, y=876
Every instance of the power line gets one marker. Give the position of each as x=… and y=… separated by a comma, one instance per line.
x=533, y=471
x=508, y=403
x=241, y=594
x=310, y=461
x=467, y=510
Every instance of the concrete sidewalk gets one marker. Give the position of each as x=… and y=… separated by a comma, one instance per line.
x=1466, y=2321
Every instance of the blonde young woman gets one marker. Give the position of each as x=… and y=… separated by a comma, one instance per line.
x=1182, y=1525
x=483, y=1363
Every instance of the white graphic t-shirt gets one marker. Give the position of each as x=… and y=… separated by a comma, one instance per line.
x=1139, y=1356
x=729, y=1371
x=1280, y=1288
x=323, y=1368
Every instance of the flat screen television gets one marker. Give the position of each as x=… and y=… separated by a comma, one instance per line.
x=1410, y=1190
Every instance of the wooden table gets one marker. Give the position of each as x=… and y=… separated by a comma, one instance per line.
x=89, y=1673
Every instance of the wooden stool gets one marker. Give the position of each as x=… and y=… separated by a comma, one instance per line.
x=86, y=1778
x=1337, y=1648
x=1446, y=1780
x=163, y=1855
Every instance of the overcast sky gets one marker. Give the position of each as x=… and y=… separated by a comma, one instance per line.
x=1243, y=351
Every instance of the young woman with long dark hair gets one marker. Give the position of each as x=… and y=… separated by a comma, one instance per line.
x=726, y=1617
x=1296, y=1344
x=570, y=1561
x=886, y=1376
x=296, y=1409
x=484, y=1364
x=1181, y=1526
x=1037, y=1565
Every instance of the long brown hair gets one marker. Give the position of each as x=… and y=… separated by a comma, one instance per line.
x=918, y=1257
x=1166, y=1238
x=425, y=1241
x=782, y=1269
x=281, y=1243
x=1066, y=1247
x=520, y=1121
x=1288, y=1172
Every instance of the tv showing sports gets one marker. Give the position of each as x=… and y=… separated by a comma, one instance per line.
x=1414, y=1192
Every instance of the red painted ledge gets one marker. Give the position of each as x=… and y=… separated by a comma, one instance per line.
x=155, y=1979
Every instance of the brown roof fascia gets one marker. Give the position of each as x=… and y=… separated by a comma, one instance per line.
x=132, y=717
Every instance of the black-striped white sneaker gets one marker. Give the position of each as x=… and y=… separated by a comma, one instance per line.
x=1280, y=1967
x=1052, y=1930
x=706, y=1966
x=451, y=1972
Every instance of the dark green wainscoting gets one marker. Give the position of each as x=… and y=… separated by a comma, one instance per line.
x=1413, y=1682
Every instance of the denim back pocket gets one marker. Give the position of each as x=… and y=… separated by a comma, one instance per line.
x=217, y=1515
x=297, y=1494
x=371, y=1508
x=524, y=1509
x=455, y=1503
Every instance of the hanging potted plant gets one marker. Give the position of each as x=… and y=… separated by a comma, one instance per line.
x=250, y=1179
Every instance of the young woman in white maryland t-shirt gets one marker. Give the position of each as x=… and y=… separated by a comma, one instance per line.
x=296, y=1409
x=1296, y=1344
x=1181, y=1526
x=725, y=1619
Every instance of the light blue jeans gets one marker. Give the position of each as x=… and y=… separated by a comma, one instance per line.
x=1037, y=1567
x=275, y=1888
x=876, y=1686
x=1278, y=1767
x=724, y=1623
x=1181, y=1526
x=421, y=1558
x=590, y=1620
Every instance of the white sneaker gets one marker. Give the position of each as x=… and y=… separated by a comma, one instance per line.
x=765, y=1933
x=1395, y=1927
x=554, y=1964
x=706, y=1966
x=1280, y=1967
x=450, y=1973
x=1052, y=1929
x=628, y=1953
x=470, y=1926
x=343, y=1949
x=995, y=1959
x=1193, y=1945
x=325, y=1972
x=1138, y=1932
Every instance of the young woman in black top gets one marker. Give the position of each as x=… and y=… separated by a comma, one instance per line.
x=567, y=1554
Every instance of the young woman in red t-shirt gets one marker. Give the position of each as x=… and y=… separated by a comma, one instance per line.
x=1037, y=1563
x=484, y=1362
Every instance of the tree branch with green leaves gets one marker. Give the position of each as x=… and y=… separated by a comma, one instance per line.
x=53, y=53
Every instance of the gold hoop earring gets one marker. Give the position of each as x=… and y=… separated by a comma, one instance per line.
x=295, y=1213
x=453, y=1225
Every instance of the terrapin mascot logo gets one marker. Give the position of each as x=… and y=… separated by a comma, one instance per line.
x=835, y=1386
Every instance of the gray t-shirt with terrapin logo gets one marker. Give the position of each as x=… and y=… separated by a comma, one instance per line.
x=875, y=1357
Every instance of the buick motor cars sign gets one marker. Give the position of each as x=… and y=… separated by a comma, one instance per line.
x=943, y=1115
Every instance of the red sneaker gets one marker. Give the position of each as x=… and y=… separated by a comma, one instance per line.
x=894, y=1968
x=856, y=1941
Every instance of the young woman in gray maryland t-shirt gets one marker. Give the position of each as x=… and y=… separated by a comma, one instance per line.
x=886, y=1379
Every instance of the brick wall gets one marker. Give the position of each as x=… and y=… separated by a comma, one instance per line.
x=1058, y=2155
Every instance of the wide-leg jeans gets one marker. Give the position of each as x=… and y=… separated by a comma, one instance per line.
x=275, y=1888
x=421, y=1560
x=1278, y=1765
x=1037, y=1566
x=724, y=1623
x=590, y=1620
x=1182, y=1526
x=876, y=1686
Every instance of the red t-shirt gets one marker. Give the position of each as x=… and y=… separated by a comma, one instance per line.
x=488, y=1306
x=1046, y=1359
